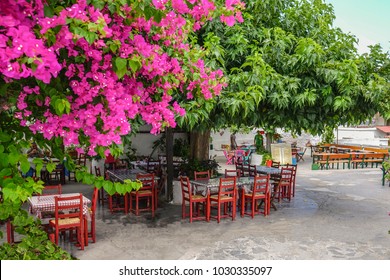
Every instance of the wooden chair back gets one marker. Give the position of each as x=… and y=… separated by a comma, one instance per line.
x=69, y=207
x=252, y=170
x=199, y=175
x=185, y=188
x=154, y=166
x=82, y=159
x=227, y=188
x=232, y=173
x=52, y=189
x=98, y=171
x=147, y=180
x=260, y=184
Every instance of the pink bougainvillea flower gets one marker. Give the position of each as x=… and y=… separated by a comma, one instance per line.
x=154, y=58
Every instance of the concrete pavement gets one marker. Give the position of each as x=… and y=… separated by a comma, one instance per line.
x=336, y=214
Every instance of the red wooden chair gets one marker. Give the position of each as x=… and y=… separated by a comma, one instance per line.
x=154, y=167
x=252, y=171
x=226, y=198
x=68, y=216
x=91, y=233
x=199, y=175
x=47, y=215
x=146, y=192
x=240, y=166
x=10, y=232
x=232, y=173
x=260, y=192
x=283, y=187
x=118, y=202
x=194, y=200
x=294, y=175
x=51, y=189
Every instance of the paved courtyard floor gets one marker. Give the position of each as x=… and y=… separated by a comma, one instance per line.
x=335, y=215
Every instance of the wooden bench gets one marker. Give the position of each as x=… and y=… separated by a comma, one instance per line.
x=363, y=159
x=376, y=158
x=332, y=159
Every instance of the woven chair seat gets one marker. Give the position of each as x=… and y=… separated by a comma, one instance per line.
x=223, y=197
x=259, y=195
x=197, y=196
x=142, y=192
x=66, y=221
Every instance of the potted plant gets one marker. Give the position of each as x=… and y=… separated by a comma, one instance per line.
x=257, y=157
x=267, y=159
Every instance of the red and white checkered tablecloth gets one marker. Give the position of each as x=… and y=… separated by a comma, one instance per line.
x=39, y=204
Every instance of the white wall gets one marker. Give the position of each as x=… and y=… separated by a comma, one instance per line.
x=353, y=132
x=143, y=142
x=370, y=136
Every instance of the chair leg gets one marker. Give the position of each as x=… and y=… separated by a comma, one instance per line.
x=10, y=233
x=190, y=212
x=86, y=235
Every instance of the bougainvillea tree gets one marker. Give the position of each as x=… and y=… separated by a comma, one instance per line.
x=79, y=73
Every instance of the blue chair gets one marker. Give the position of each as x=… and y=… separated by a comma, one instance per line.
x=247, y=156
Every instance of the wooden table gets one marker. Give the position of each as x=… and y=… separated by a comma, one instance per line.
x=206, y=187
x=267, y=170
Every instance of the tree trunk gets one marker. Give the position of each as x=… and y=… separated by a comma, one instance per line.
x=200, y=144
x=268, y=141
x=169, y=154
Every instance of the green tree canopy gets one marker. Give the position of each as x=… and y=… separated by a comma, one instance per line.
x=288, y=67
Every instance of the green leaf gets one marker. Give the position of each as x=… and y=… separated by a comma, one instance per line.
x=13, y=158
x=109, y=187
x=99, y=4
x=99, y=181
x=79, y=176
x=135, y=65
x=5, y=172
x=3, y=160
x=91, y=37
x=60, y=107
x=80, y=31
x=9, y=192
x=120, y=66
x=48, y=11
x=51, y=166
x=24, y=165
x=112, y=7
x=113, y=47
x=4, y=137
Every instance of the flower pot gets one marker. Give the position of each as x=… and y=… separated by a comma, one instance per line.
x=256, y=159
x=268, y=162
